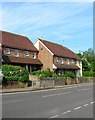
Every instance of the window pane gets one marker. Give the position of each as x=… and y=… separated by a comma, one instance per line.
x=7, y=50
x=16, y=53
x=26, y=53
x=34, y=55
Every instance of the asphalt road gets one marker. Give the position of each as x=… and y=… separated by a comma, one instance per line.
x=72, y=102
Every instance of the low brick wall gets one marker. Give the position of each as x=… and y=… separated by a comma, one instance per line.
x=36, y=82
x=87, y=79
x=13, y=84
x=51, y=82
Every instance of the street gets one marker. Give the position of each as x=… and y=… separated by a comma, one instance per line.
x=71, y=102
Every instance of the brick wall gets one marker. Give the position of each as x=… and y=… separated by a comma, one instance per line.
x=45, y=57
x=21, y=53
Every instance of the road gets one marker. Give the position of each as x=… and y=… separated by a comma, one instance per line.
x=71, y=102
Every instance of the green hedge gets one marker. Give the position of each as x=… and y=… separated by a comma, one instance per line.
x=45, y=74
x=15, y=73
x=69, y=74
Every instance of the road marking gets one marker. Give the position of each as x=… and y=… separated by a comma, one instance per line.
x=84, y=89
x=77, y=108
x=85, y=105
x=12, y=101
x=56, y=94
x=49, y=95
x=92, y=102
x=54, y=116
x=66, y=112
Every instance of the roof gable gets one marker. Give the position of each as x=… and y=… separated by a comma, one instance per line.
x=59, y=50
x=16, y=41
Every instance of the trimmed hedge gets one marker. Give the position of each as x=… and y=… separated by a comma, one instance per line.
x=15, y=73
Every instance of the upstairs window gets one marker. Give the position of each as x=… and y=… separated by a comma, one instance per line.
x=57, y=59
x=7, y=51
x=34, y=55
x=73, y=61
x=26, y=53
x=68, y=61
x=62, y=61
x=16, y=53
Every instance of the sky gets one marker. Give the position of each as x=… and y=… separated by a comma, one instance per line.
x=67, y=23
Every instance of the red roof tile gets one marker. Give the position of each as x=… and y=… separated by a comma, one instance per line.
x=16, y=41
x=59, y=50
x=19, y=60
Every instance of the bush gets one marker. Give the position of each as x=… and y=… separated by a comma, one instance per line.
x=45, y=74
x=88, y=73
x=69, y=74
x=15, y=73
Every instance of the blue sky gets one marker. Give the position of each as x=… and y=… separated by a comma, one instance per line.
x=66, y=23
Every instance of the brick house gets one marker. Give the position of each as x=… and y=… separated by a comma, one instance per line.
x=58, y=58
x=19, y=50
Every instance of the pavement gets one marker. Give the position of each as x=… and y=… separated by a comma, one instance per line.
x=33, y=89
x=75, y=101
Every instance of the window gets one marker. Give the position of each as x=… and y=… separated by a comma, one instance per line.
x=73, y=61
x=16, y=53
x=67, y=61
x=34, y=55
x=7, y=51
x=57, y=59
x=62, y=61
x=26, y=53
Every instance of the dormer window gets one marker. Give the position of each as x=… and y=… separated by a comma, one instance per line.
x=26, y=53
x=34, y=55
x=7, y=51
x=16, y=53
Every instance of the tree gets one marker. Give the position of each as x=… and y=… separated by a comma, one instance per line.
x=88, y=60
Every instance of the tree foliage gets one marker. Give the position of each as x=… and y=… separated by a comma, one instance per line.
x=88, y=61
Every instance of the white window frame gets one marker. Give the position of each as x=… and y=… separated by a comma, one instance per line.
x=62, y=60
x=68, y=61
x=16, y=53
x=73, y=61
x=57, y=59
x=7, y=51
x=34, y=55
x=26, y=53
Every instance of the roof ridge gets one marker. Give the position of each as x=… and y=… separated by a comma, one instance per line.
x=13, y=33
x=51, y=42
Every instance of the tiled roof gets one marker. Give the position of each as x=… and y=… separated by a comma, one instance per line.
x=20, y=60
x=59, y=50
x=16, y=41
x=64, y=66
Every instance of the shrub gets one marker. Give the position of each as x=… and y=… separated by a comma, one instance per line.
x=44, y=73
x=88, y=73
x=15, y=73
x=69, y=74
